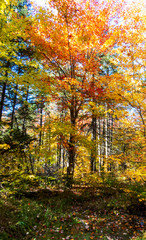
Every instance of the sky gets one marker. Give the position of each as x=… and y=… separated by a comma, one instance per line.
x=42, y=2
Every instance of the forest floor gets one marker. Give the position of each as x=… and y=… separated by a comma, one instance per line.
x=78, y=214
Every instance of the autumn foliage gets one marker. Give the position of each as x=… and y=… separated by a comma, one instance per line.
x=82, y=63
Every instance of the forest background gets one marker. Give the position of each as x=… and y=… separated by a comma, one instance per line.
x=72, y=114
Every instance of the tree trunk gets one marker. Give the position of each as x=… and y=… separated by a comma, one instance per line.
x=41, y=122
x=63, y=157
x=72, y=149
x=106, y=138
x=59, y=153
x=103, y=142
x=4, y=91
x=110, y=139
x=99, y=147
x=2, y=99
x=24, y=120
x=70, y=169
x=13, y=108
x=94, y=137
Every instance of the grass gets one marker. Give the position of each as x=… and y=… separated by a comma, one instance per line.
x=81, y=214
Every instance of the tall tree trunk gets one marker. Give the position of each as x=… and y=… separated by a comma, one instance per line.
x=2, y=100
x=106, y=138
x=13, y=107
x=103, y=142
x=60, y=147
x=72, y=149
x=93, y=132
x=41, y=122
x=59, y=153
x=49, y=137
x=63, y=157
x=4, y=91
x=3, y=94
x=24, y=120
x=99, y=147
x=110, y=139
x=111, y=134
x=94, y=138
x=70, y=169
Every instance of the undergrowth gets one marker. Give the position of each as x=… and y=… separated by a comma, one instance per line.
x=109, y=211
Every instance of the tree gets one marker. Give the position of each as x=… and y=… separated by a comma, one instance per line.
x=130, y=55
x=11, y=44
x=69, y=36
x=15, y=69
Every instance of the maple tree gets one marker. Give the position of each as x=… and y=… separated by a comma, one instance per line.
x=71, y=38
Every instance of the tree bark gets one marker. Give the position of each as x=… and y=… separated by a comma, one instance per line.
x=4, y=91
x=94, y=138
x=41, y=122
x=106, y=137
x=2, y=99
x=24, y=120
x=72, y=148
x=13, y=108
x=99, y=147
